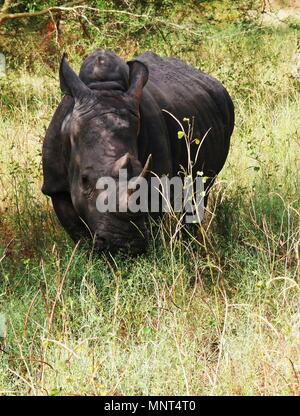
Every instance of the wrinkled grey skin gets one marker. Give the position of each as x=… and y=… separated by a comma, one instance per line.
x=110, y=118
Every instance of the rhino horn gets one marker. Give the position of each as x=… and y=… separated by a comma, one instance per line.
x=124, y=162
x=142, y=175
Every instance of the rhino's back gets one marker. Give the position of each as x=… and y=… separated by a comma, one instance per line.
x=185, y=91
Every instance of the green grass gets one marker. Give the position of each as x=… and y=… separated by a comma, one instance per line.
x=220, y=318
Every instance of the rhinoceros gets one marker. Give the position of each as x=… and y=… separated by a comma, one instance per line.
x=112, y=117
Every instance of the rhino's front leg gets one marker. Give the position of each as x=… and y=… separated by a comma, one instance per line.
x=68, y=217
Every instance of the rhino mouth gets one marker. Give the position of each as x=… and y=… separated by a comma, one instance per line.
x=131, y=238
x=134, y=247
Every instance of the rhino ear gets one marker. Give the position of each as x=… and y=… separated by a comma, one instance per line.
x=138, y=76
x=70, y=83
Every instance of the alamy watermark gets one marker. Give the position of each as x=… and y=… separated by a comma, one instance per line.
x=157, y=194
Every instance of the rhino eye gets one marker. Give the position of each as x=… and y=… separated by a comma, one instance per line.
x=84, y=180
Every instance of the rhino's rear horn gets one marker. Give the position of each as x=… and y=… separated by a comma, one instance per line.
x=138, y=76
x=146, y=168
x=70, y=83
x=143, y=175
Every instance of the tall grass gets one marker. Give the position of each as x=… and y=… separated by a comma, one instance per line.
x=187, y=318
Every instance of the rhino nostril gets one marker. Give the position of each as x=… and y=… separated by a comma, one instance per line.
x=101, y=242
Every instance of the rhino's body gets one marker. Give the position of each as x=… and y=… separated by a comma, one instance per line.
x=184, y=92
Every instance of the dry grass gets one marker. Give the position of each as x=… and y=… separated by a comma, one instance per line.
x=214, y=319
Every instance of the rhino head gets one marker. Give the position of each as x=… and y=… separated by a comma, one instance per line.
x=99, y=139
